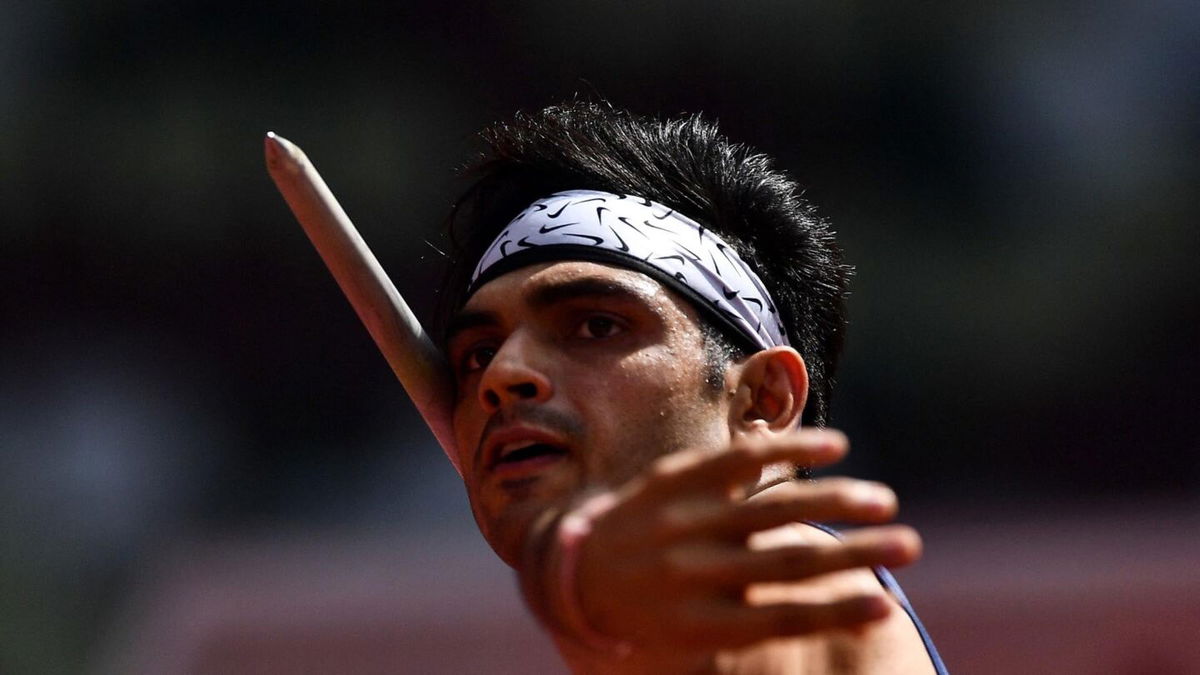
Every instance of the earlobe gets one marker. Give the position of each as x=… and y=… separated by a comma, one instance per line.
x=770, y=392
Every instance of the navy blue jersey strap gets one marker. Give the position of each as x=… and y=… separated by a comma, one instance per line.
x=889, y=582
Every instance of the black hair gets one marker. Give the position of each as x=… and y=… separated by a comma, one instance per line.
x=686, y=164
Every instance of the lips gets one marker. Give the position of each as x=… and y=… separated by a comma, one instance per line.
x=523, y=451
x=522, y=448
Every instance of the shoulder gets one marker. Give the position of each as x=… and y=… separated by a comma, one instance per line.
x=890, y=645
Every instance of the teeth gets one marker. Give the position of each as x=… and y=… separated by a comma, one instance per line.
x=515, y=445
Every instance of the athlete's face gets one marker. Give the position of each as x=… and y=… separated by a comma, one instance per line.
x=572, y=376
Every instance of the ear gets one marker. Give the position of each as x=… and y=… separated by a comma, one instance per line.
x=770, y=390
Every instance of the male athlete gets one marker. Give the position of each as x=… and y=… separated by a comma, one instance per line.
x=645, y=323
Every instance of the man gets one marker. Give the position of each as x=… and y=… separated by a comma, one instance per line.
x=646, y=320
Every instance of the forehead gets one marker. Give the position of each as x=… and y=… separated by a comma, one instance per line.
x=546, y=284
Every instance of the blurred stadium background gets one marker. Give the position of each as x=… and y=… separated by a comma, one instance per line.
x=206, y=466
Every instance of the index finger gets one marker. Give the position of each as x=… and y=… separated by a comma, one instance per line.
x=743, y=460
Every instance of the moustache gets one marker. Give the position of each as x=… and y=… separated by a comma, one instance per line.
x=532, y=414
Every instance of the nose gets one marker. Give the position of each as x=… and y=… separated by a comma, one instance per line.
x=513, y=376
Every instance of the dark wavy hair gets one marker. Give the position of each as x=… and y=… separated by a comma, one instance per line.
x=686, y=164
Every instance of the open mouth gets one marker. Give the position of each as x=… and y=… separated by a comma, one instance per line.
x=527, y=453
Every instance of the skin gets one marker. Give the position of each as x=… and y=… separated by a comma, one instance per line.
x=700, y=561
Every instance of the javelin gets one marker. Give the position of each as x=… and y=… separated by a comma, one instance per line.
x=414, y=358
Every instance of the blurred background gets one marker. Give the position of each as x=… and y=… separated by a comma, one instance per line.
x=207, y=467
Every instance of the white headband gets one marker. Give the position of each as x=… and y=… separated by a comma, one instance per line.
x=645, y=236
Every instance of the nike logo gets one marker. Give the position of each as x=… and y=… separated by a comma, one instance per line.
x=596, y=240
x=671, y=257
x=630, y=225
x=624, y=248
x=695, y=258
x=550, y=228
x=570, y=203
x=725, y=252
x=729, y=295
x=533, y=209
x=524, y=243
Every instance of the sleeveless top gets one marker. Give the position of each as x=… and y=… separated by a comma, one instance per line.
x=892, y=586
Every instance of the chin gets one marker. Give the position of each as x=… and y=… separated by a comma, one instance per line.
x=506, y=506
x=506, y=533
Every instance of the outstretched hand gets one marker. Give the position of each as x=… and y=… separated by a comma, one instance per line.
x=670, y=563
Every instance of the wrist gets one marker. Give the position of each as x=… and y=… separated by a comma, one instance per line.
x=571, y=533
x=549, y=576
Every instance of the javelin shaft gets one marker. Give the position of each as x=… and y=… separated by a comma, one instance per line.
x=408, y=349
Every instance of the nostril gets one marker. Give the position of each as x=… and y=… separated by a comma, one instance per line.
x=524, y=390
x=491, y=398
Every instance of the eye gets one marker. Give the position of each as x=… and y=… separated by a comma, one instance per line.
x=599, y=326
x=477, y=358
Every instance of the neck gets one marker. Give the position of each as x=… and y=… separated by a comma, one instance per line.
x=775, y=474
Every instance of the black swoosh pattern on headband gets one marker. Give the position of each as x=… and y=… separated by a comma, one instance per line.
x=630, y=225
x=669, y=243
x=624, y=248
x=691, y=254
x=596, y=241
x=725, y=252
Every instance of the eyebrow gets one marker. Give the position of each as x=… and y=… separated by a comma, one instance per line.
x=543, y=297
x=553, y=294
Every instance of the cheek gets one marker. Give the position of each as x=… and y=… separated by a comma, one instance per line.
x=467, y=421
x=652, y=404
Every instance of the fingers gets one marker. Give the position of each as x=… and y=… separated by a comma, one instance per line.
x=736, y=566
x=842, y=500
x=744, y=460
x=739, y=625
x=681, y=533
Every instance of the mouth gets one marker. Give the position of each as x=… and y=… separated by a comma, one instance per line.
x=521, y=451
x=525, y=455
